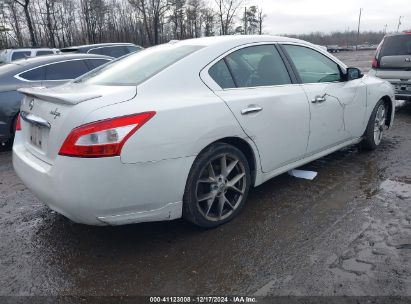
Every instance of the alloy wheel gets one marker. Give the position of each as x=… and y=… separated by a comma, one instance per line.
x=221, y=187
x=379, y=123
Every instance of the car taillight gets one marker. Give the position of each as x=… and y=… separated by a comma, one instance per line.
x=103, y=138
x=375, y=64
x=18, y=123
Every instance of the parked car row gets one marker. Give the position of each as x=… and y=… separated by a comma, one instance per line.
x=44, y=67
x=10, y=55
x=114, y=50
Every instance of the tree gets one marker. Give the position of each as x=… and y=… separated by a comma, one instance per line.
x=226, y=10
x=25, y=4
x=60, y=23
x=153, y=12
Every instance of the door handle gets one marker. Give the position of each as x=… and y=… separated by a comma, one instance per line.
x=319, y=99
x=251, y=109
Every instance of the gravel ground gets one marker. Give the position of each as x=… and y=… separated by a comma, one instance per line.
x=347, y=232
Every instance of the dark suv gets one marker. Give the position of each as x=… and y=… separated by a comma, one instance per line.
x=392, y=62
x=107, y=49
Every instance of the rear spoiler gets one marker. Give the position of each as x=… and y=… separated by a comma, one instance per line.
x=69, y=97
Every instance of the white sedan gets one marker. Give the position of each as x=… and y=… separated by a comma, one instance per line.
x=186, y=128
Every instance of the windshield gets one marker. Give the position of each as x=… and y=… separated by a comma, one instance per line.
x=138, y=67
x=396, y=45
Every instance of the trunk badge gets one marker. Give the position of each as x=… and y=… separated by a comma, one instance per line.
x=407, y=59
x=31, y=104
x=55, y=113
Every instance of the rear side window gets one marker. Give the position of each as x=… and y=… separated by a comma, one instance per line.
x=257, y=66
x=66, y=70
x=20, y=55
x=42, y=53
x=220, y=74
x=133, y=48
x=396, y=46
x=95, y=63
x=34, y=74
x=112, y=51
x=138, y=67
x=313, y=66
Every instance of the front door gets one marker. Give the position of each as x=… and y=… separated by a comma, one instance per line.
x=337, y=107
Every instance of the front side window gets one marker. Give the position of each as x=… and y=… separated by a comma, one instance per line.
x=20, y=55
x=139, y=67
x=313, y=66
x=257, y=66
x=66, y=70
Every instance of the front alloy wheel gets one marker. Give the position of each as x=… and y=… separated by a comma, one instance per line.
x=379, y=123
x=376, y=126
x=217, y=186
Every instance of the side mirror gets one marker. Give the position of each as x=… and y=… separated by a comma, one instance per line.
x=353, y=73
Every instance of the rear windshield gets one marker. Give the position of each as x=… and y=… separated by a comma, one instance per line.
x=138, y=67
x=396, y=45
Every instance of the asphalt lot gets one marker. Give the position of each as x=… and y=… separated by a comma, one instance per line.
x=347, y=232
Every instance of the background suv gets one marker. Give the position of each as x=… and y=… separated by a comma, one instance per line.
x=392, y=62
x=10, y=55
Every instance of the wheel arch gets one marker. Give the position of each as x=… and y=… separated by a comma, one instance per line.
x=390, y=104
x=246, y=148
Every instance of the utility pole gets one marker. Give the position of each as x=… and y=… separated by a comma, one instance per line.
x=245, y=20
x=399, y=23
x=358, y=31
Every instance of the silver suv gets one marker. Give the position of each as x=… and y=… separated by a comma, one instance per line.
x=392, y=62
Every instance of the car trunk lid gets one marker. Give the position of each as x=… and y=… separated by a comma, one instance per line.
x=49, y=115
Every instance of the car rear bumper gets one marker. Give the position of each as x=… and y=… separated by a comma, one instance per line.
x=402, y=88
x=105, y=191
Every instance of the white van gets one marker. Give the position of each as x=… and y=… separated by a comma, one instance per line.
x=9, y=55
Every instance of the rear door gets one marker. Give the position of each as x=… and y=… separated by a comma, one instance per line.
x=272, y=110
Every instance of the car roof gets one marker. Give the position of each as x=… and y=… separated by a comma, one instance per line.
x=405, y=33
x=30, y=49
x=39, y=60
x=237, y=40
x=91, y=46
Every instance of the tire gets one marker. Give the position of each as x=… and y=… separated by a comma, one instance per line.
x=375, y=127
x=214, y=195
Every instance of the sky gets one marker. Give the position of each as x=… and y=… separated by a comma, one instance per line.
x=305, y=16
